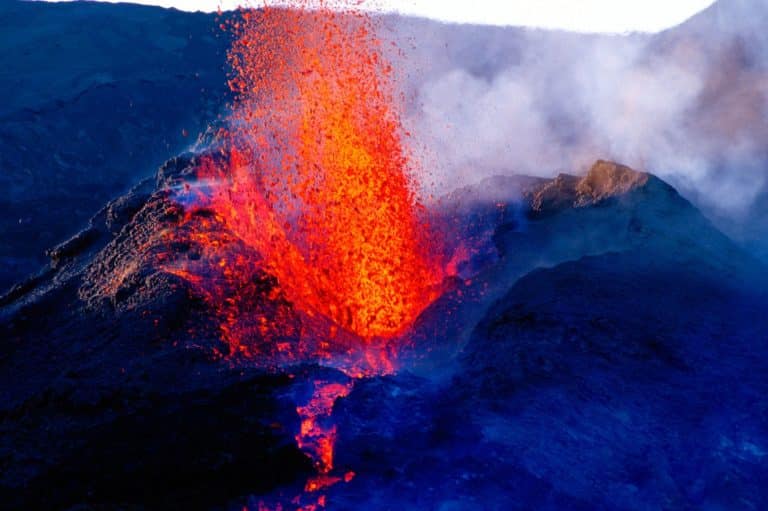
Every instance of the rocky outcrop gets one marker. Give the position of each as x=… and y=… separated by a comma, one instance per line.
x=603, y=181
x=607, y=179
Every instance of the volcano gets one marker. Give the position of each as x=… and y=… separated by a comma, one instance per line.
x=281, y=317
x=605, y=320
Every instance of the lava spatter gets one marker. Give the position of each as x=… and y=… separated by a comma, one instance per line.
x=318, y=132
x=313, y=180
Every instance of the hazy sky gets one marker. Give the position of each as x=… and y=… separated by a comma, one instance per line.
x=581, y=15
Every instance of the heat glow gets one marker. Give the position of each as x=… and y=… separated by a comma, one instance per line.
x=319, y=181
x=327, y=255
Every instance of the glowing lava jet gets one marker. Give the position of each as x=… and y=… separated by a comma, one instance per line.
x=315, y=178
x=319, y=180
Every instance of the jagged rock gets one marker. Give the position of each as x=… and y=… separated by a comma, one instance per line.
x=121, y=211
x=607, y=179
x=603, y=181
x=556, y=194
x=73, y=246
x=176, y=171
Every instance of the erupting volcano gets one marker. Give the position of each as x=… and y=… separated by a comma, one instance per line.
x=278, y=318
x=314, y=176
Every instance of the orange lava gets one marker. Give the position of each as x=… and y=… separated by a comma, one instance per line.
x=314, y=183
x=314, y=436
x=320, y=182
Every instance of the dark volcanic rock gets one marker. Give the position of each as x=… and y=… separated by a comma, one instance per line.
x=627, y=377
x=606, y=352
x=95, y=97
x=113, y=390
x=547, y=222
x=149, y=447
x=633, y=370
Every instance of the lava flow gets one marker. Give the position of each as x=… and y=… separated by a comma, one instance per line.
x=313, y=177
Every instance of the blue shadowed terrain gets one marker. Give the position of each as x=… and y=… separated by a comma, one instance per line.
x=95, y=97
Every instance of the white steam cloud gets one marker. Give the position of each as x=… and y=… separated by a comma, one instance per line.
x=690, y=104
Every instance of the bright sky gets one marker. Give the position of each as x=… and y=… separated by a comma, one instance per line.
x=580, y=15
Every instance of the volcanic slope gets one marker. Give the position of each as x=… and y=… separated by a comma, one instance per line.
x=602, y=347
x=95, y=97
x=613, y=357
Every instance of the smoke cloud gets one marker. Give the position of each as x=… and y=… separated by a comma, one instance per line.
x=689, y=105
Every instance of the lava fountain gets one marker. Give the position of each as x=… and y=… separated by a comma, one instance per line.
x=321, y=183
x=314, y=176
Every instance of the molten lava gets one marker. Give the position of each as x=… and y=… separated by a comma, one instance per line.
x=332, y=259
x=314, y=436
x=319, y=179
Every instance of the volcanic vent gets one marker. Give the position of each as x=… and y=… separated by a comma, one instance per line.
x=313, y=185
x=312, y=173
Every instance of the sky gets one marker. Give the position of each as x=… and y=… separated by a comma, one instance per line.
x=579, y=15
